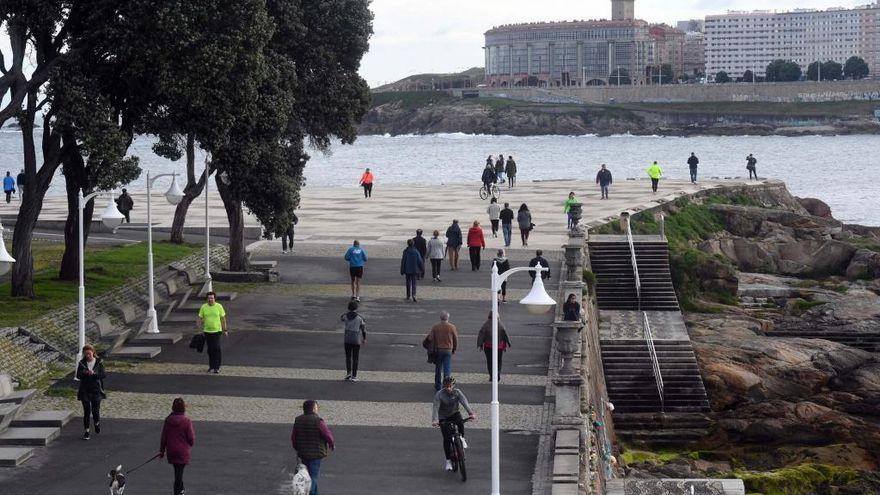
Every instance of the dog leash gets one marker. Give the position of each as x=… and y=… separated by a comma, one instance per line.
x=151, y=459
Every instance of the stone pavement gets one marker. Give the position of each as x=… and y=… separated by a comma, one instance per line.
x=285, y=346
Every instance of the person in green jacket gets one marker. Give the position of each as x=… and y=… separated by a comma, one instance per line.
x=655, y=172
x=567, y=209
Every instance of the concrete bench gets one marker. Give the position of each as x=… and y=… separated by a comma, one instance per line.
x=127, y=312
x=102, y=323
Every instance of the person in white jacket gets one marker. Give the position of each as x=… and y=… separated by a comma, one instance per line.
x=436, y=253
x=494, y=211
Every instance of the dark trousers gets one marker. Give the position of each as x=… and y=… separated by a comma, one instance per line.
x=503, y=290
x=286, y=238
x=510, y=180
x=524, y=235
x=654, y=184
x=474, y=252
x=125, y=214
x=8, y=196
x=489, y=362
x=446, y=431
x=178, y=478
x=436, y=263
x=214, y=354
x=411, y=281
x=368, y=190
x=442, y=367
x=694, y=174
x=314, y=467
x=494, y=227
x=91, y=408
x=352, y=351
x=752, y=172
x=507, y=230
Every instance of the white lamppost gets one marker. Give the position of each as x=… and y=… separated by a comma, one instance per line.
x=173, y=196
x=111, y=218
x=208, y=283
x=6, y=260
x=537, y=301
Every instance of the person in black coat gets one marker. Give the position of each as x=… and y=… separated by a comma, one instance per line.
x=421, y=246
x=693, y=162
x=412, y=266
x=488, y=177
x=539, y=258
x=90, y=373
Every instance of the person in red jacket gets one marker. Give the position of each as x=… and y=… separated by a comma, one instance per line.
x=476, y=243
x=367, y=182
x=178, y=438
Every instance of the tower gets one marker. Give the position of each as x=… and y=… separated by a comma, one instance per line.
x=622, y=10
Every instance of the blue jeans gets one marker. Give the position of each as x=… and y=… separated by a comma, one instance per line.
x=693, y=175
x=507, y=229
x=444, y=361
x=604, y=190
x=314, y=467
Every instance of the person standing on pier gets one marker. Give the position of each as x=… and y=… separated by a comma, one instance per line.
x=604, y=179
x=506, y=217
x=751, y=161
x=367, y=183
x=453, y=244
x=476, y=243
x=494, y=211
x=655, y=173
x=693, y=161
x=510, y=170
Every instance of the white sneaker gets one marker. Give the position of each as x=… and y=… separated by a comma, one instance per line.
x=448, y=465
x=463, y=442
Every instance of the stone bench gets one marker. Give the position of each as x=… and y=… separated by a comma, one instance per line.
x=102, y=323
x=127, y=312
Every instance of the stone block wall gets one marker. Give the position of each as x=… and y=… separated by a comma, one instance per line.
x=18, y=361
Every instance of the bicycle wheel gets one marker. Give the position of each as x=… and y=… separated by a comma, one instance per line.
x=495, y=191
x=459, y=452
x=484, y=193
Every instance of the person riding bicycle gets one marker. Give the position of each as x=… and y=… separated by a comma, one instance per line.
x=446, y=413
x=489, y=177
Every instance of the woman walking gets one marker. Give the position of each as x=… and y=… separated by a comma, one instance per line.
x=178, y=438
x=524, y=219
x=367, y=183
x=453, y=244
x=476, y=243
x=355, y=337
x=90, y=373
x=436, y=254
x=484, y=342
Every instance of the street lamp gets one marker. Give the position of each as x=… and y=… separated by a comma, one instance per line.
x=111, y=218
x=208, y=283
x=173, y=196
x=537, y=301
x=6, y=260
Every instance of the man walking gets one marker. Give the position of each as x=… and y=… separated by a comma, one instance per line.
x=367, y=183
x=312, y=440
x=442, y=341
x=751, y=161
x=604, y=179
x=212, y=321
x=8, y=186
x=510, y=170
x=488, y=178
x=356, y=258
x=693, y=161
x=499, y=169
x=494, y=210
x=506, y=217
x=287, y=236
x=125, y=204
x=421, y=246
x=412, y=266
x=539, y=258
x=655, y=173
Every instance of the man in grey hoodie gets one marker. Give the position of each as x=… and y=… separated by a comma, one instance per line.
x=355, y=337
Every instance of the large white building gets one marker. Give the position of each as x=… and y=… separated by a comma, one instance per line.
x=739, y=41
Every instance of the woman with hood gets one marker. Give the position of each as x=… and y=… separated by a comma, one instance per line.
x=90, y=373
x=355, y=337
x=453, y=244
x=178, y=438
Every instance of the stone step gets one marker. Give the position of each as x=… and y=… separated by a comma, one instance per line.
x=14, y=456
x=137, y=352
x=19, y=397
x=29, y=436
x=8, y=412
x=182, y=317
x=43, y=419
x=154, y=339
x=656, y=408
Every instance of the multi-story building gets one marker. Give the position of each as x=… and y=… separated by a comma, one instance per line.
x=740, y=41
x=693, y=54
x=575, y=53
x=691, y=25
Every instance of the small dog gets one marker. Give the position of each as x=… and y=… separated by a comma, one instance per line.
x=117, y=481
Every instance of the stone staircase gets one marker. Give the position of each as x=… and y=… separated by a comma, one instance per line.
x=869, y=342
x=615, y=280
x=21, y=432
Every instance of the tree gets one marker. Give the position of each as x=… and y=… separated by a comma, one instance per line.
x=619, y=77
x=783, y=71
x=722, y=77
x=855, y=68
x=748, y=76
x=830, y=71
x=659, y=74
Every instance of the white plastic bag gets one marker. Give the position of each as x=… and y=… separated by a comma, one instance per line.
x=302, y=482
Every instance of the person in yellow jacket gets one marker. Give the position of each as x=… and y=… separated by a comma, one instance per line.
x=655, y=172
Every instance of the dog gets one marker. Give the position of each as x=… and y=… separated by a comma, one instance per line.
x=117, y=481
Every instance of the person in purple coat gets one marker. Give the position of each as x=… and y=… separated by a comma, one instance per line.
x=178, y=438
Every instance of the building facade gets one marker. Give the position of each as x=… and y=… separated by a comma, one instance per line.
x=693, y=54
x=740, y=41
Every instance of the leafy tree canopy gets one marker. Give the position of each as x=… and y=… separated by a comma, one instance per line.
x=855, y=68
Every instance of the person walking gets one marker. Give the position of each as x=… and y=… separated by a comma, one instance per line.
x=312, y=440
x=506, y=217
x=445, y=412
x=412, y=266
x=499, y=169
x=604, y=179
x=494, y=210
x=90, y=373
x=421, y=246
x=8, y=186
x=453, y=244
x=569, y=202
x=178, y=438
x=751, y=163
x=125, y=204
x=524, y=219
x=442, y=341
x=655, y=173
x=693, y=161
x=510, y=170
x=356, y=257
x=436, y=253
x=503, y=265
x=212, y=321
x=367, y=183
x=488, y=178
x=539, y=258
x=489, y=161
x=355, y=331
x=287, y=235
x=476, y=243
x=484, y=342
x=21, y=182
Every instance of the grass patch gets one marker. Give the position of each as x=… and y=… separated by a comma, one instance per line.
x=412, y=99
x=805, y=479
x=632, y=456
x=105, y=269
x=63, y=392
x=801, y=306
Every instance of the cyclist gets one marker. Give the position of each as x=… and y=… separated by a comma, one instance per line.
x=489, y=178
x=446, y=413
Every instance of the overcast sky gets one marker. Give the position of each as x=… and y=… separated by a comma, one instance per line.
x=415, y=36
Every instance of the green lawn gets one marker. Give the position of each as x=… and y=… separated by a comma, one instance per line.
x=106, y=268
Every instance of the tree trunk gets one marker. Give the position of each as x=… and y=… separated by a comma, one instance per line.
x=237, y=255
x=192, y=190
x=75, y=178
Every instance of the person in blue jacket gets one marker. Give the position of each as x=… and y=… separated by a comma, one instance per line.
x=8, y=186
x=356, y=257
x=453, y=244
x=412, y=266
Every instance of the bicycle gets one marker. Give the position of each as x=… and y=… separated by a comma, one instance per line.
x=458, y=458
x=492, y=190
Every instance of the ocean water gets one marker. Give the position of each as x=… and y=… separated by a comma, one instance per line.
x=843, y=171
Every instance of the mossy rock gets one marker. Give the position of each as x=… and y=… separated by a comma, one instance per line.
x=806, y=479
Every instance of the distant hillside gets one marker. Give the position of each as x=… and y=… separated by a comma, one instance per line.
x=427, y=82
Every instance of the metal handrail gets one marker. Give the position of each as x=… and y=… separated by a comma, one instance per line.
x=649, y=339
x=632, y=252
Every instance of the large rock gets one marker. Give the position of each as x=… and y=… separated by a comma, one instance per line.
x=806, y=258
x=865, y=264
x=816, y=207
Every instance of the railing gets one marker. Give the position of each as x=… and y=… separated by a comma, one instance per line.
x=632, y=252
x=655, y=363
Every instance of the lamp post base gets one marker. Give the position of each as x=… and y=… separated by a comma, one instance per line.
x=152, y=321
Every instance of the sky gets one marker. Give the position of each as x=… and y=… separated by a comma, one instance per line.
x=418, y=36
